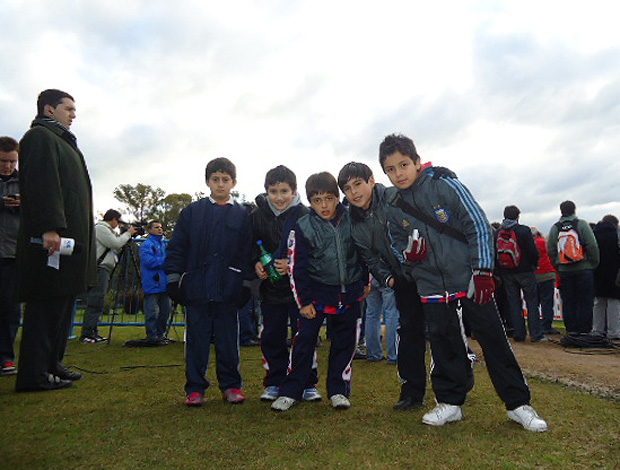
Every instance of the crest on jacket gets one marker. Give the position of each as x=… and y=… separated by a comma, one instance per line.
x=441, y=214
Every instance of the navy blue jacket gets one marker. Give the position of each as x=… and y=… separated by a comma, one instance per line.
x=209, y=252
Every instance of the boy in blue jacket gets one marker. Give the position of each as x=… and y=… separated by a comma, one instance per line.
x=154, y=283
x=328, y=281
x=207, y=261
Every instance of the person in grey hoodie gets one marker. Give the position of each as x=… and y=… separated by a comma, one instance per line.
x=576, y=279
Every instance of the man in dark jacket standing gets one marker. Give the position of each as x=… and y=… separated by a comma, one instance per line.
x=519, y=275
x=9, y=224
x=56, y=203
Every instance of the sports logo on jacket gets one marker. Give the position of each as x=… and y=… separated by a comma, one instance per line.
x=441, y=214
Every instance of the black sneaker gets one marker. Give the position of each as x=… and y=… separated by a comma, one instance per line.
x=408, y=403
x=92, y=339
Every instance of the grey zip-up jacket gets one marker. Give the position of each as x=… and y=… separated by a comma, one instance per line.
x=448, y=266
x=370, y=234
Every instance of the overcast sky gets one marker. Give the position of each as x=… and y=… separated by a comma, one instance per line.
x=520, y=99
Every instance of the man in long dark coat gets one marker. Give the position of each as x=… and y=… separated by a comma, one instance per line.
x=56, y=202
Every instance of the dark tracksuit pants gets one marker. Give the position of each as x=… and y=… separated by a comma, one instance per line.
x=273, y=343
x=411, y=342
x=343, y=332
x=450, y=368
x=45, y=333
x=217, y=319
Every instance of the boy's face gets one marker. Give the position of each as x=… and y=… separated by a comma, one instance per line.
x=220, y=184
x=401, y=170
x=325, y=205
x=281, y=195
x=359, y=192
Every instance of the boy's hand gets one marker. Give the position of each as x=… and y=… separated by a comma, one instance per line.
x=481, y=287
x=308, y=311
x=260, y=270
x=366, y=293
x=281, y=265
x=416, y=248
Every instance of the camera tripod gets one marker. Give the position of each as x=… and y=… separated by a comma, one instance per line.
x=126, y=283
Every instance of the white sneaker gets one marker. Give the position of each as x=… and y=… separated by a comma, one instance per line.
x=340, y=402
x=270, y=394
x=442, y=414
x=283, y=404
x=312, y=394
x=527, y=417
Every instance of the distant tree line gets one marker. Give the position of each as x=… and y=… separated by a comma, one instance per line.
x=144, y=203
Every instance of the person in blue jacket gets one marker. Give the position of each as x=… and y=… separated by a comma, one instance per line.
x=154, y=283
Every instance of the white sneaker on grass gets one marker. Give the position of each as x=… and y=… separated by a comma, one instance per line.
x=340, y=402
x=442, y=414
x=283, y=404
x=270, y=394
x=312, y=394
x=527, y=417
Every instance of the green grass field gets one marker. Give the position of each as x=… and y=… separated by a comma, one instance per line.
x=130, y=415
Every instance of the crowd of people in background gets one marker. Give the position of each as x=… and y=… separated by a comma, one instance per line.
x=421, y=255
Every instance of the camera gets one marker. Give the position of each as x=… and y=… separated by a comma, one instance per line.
x=139, y=226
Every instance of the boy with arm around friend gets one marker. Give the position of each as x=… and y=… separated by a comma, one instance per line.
x=447, y=247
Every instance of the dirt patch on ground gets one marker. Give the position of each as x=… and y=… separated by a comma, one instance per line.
x=595, y=371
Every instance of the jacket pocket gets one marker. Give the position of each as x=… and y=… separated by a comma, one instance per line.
x=232, y=280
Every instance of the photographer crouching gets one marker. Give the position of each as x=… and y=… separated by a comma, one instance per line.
x=109, y=241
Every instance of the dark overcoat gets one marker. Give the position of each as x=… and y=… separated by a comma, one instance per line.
x=605, y=273
x=56, y=195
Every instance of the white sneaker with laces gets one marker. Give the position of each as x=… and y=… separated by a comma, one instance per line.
x=442, y=414
x=283, y=404
x=340, y=402
x=527, y=417
x=270, y=394
x=312, y=394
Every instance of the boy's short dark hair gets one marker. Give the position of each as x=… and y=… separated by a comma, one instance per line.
x=52, y=97
x=610, y=219
x=221, y=164
x=111, y=214
x=511, y=212
x=8, y=144
x=353, y=170
x=397, y=143
x=280, y=174
x=567, y=208
x=319, y=183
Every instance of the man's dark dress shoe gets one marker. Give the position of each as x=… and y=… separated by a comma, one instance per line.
x=68, y=374
x=53, y=383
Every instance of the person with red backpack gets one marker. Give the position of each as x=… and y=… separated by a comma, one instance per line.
x=517, y=261
x=574, y=253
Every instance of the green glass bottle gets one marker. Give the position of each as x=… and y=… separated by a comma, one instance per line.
x=268, y=264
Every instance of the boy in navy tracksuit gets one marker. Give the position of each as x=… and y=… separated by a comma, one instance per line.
x=328, y=281
x=207, y=261
x=276, y=210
